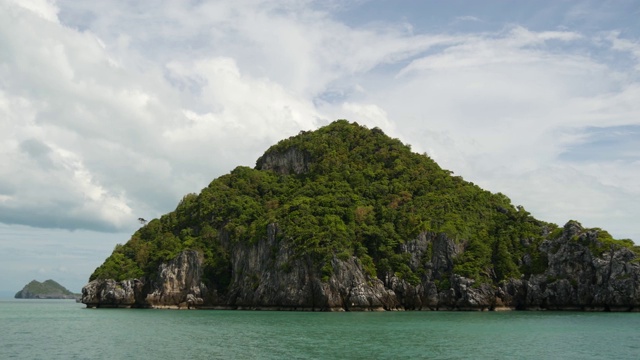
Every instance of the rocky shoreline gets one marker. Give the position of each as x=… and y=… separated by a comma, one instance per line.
x=575, y=279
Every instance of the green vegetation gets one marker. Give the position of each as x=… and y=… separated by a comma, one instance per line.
x=606, y=242
x=364, y=194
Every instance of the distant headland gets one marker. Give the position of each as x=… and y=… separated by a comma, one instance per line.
x=48, y=289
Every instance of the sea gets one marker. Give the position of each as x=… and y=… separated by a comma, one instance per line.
x=64, y=329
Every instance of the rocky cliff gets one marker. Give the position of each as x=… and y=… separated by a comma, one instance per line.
x=583, y=273
x=177, y=285
x=267, y=276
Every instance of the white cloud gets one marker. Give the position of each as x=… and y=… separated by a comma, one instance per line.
x=517, y=46
x=46, y=9
x=247, y=107
x=367, y=114
x=61, y=102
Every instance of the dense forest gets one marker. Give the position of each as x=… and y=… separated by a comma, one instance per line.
x=345, y=191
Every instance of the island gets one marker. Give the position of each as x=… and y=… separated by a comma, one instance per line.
x=48, y=289
x=346, y=218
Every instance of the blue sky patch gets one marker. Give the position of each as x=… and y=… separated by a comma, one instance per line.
x=613, y=143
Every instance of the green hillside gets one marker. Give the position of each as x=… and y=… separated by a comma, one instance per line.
x=343, y=190
x=43, y=290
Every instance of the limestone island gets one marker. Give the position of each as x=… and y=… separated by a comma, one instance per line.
x=346, y=218
x=48, y=289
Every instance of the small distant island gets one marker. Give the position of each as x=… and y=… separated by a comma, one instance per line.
x=48, y=289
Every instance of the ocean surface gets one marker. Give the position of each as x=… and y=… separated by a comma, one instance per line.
x=63, y=329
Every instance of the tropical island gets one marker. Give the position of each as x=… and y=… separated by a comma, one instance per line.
x=347, y=218
x=48, y=289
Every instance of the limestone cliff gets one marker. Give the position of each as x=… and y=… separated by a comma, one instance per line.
x=267, y=276
x=582, y=273
x=177, y=285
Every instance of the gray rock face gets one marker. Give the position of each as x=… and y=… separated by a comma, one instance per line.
x=267, y=275
x=111, y=293
x=176, y=286
x=576, y=278
x=292, y=161
x=178, y=283
x=349, y=288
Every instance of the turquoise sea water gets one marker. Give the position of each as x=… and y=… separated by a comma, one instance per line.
x=63, y=329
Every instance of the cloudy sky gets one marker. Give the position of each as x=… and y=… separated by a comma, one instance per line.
x=113, y=110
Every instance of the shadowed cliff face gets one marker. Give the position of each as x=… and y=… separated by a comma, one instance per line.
x=266, y=275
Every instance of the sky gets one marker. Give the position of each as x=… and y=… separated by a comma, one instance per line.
x=114, y=110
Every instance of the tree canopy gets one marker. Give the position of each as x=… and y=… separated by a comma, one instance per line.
x=360, y=193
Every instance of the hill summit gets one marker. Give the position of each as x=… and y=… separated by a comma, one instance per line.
x=348, y=218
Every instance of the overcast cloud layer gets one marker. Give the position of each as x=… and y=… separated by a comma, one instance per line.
x=110, y=111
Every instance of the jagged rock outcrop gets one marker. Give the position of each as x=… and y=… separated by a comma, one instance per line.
x=577, y=277
x=267, y=275
x=177, y=285
x=110, y=293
